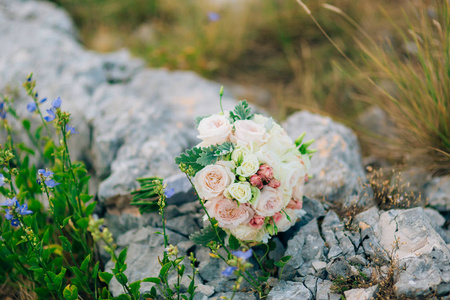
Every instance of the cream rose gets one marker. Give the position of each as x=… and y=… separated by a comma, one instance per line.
x=297, y=192
x=270, y=202
x=228, y=213
x=249, y=166
x=247, y=233
x=248, y=131
x=213, y=130
x=267, y=156
x=289, y=174
x=240, y=153
x=212, y=180
x=240, y=191
x=284, y=224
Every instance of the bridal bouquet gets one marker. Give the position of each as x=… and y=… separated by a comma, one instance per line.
x=248, y=173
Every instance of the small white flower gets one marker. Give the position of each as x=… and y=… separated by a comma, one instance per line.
x=249, y=166
x=240, y=191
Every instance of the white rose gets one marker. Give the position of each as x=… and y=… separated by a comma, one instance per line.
x=249, y=166
x=228, y=213
x=240, y=153
x=212, y=180
x=247, y=233
x=270, y=202
x=268, y=157
x=213, y=130
x=278, y=140
x=247, y=131
x=240, y=191
x=260, y=119
x=289, y=174
x=284, y=224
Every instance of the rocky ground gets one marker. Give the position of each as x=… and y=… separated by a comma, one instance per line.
x=134, y=120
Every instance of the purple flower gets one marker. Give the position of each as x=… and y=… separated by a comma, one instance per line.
x=169, y=192
x=42, y=100
x=2, y=179
x=31, y=107
x=213, y=16
x=71, y=129
x=243, y=255
x=228, y=271
x=56, y=103
x=51, y=115
x=14, y=209
x=45, y=173
x=2, y=111
x=51, y=183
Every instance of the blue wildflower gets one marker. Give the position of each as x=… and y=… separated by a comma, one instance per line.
x=243, y=255
x=42, y=100
x=2, y=179
x=213, y=16
x=51, y=183
x=57, y=103
x=45, y=173
x=71, y=129
x=169, y=192
x=31, y=107
x=23, y=210
x=15, y=222
x=10, y=202
x=2, y=111
x=51, y=115
x=228, y=271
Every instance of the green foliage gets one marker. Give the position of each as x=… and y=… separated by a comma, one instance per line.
x=210, y=155
x=241, y=112
x=146, y=196
x=190, y=159
x=207, y=235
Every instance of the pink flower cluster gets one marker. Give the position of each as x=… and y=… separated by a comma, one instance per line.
x=264, y=176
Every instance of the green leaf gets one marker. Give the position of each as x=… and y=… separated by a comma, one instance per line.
x=95, y=270
x=224, y=149
x=134, y=287
x=90, y=208
x=85, y=263
x=70, y=292
x=206, y=235
x=283, y=261
x=241, y=112
x=105, y=277
x=164, y=270
x=66, y=220
x=67, y=246
x=152, y=279
x=123, y=256
x=83, y=223
x=234, y=242
x=189, y=158
x=207, y=157
x=26, y=124
x=85, y=197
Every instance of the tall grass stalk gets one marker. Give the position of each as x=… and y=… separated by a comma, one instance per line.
x=413, y=85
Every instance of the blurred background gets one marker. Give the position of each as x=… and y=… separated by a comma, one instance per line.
x=385, y=72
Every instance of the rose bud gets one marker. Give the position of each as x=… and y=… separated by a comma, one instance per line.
x=265, y=172
x=257, y=222
x=256, y=181
x=277, y=217
x=273, y=183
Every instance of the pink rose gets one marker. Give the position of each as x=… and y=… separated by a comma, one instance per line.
x=277, y=217
x=212, y=180
x=213, y=130
x=297, y=191
x=270, y=202
x=293, y=204
x=227, y=212
x=257, y=222
x=248, y=131
x=265, y=172
x=255, y=180
x=273, y=183
x=285, y=223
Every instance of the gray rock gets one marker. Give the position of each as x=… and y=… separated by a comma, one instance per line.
x=313, y=209
x=183, y=189
x=361, y=294
x=421, y=252
x=336, y=168
x=311, y=284
x=305, y=247
x=144, y=248
x=203, y=292
x=339, y=267
x=324, y=291
x=184, y=225
x=437, y=221
x=289, y=290
x=438, y=193
x=237, y=296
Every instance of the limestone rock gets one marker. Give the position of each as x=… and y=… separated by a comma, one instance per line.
x=438, y=193
x=289, y=290
x=361, y=294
